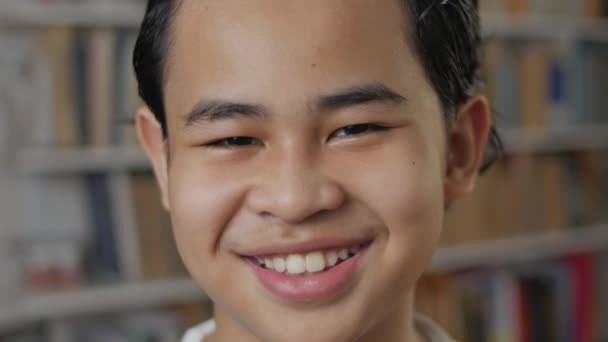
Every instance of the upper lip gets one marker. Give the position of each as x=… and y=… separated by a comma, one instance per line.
x=302, y=247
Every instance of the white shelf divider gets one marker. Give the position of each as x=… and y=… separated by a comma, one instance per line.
x=32, y=308
x=32, y=161
x=522, y=249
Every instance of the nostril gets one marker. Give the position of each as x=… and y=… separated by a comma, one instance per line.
x=293, y=198
x=266, y=214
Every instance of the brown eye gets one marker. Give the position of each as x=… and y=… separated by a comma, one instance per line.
x=234, y=142
x=358, y=129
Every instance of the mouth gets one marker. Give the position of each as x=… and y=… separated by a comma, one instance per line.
x=307, y=263
x=312, y=276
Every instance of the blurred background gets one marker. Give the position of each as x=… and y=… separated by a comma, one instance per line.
x=86, y=252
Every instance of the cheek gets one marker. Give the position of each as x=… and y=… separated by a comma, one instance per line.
x=413, y=214
x=404, y=187
x=201, y=204
x=407, y=196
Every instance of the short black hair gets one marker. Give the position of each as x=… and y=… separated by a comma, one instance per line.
x=446, y=34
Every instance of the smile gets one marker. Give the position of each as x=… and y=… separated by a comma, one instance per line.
x=313, y=276
x=309, y=263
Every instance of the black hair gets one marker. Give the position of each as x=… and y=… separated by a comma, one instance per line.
x=446, y=34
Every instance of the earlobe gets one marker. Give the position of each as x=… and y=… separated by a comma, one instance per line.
x=150, y=135
x=467, y=140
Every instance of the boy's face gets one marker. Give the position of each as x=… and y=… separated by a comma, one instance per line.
x=290, y=77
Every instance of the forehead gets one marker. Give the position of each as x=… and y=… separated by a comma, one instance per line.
x=253, y=48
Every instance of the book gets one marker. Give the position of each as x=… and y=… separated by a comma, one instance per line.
x=597, y=80
x=104, y=258
x=55, y=46
x=559, y=299
x=533, y=70
x=582, y=272
x=503, y=324
x=551, y=178
x=488, y=212
x=474, y=287
x=559, y=100
x=506, y=84
x=38, y=121
x=158, y=252
x=593, y=8
x=517, y=7
x=127, y=244
x=100, y=68
x=602, y=303
x=549, y=301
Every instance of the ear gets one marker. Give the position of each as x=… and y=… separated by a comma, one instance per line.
x=150, y=135
x=467, y=140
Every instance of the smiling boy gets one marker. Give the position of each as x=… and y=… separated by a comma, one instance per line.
x=306, y=151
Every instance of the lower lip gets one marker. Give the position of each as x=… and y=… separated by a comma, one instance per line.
x=309, y=288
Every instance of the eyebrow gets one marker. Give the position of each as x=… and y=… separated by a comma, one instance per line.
x=214, y=110
x=372, y=92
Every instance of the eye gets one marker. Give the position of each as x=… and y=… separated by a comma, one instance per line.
x=358, y=129
x=234, y=142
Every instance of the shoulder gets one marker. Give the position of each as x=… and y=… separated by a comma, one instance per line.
x=199, y=332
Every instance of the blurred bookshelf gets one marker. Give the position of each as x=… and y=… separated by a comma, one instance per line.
x=544, y=206
x=518, y=250
x=100, y=299
x=552, y=27
x=93, y=253
x=559, y=139
x=40, y=161
x=109, y=298
x=113, y=13
x=537, y=221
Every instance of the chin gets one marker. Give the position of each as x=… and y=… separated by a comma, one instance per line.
x=346, y=319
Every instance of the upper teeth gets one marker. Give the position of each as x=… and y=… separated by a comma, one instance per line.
x=311, y=262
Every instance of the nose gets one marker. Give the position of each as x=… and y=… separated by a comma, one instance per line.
x=294, y=188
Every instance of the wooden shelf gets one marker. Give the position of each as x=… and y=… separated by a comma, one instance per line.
x=27, y=13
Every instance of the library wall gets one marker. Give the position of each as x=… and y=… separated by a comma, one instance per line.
x=87, y=252
x=86, y=249
x=540, y=84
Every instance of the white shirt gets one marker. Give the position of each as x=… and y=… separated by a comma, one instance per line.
x=429, y=329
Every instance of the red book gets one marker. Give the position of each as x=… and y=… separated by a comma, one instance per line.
x=582, y=273
x=525, y=334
